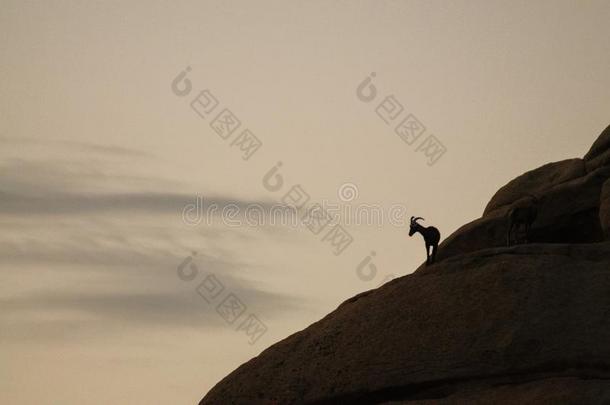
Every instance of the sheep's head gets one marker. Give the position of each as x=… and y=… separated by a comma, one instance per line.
x=414, y=225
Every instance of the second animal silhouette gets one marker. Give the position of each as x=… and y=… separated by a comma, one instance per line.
x=522, y=213
x=431, y=237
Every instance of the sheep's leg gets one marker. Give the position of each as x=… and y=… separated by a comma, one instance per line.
x=518, y=234
x=434, y=249
x=427, y=254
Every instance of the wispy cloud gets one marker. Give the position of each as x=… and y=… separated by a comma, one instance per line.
x=110, y=241
x=78, y=314
x=70, y=144
x=133, y=203
x=169, y=307
x=53, y=186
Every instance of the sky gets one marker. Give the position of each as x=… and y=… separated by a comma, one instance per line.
x=119, y=287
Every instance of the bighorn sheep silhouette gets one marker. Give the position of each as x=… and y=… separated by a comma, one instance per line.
x=431, y=237
x=524, y=214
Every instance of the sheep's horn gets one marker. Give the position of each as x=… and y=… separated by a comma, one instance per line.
x=418, y=218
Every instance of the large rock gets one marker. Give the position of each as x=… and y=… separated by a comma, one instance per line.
x=485, y=324
x=536, y=181
x=529, y=313
x=599, y=154
x=567, y=213
x=542, y=179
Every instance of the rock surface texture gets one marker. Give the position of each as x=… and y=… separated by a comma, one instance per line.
x=485, y=324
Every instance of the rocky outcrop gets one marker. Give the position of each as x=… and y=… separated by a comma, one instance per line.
x=599, y=154
x=536, y=182
x=569, y=194
x=568, y=213
x=485, y=324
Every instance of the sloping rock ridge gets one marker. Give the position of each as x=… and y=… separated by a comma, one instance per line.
x=485, y=324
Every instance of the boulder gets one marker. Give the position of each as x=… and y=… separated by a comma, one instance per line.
x=529, y=313
x=599, y=154
x=484, y=324
x=567, y=213
x=600, y=146
x=535, y=182
x=548, y=176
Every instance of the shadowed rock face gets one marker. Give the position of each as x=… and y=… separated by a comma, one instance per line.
x=604, y=209
x=537, y=182
x=568, y=212
x=599, y=154
x=485, y=324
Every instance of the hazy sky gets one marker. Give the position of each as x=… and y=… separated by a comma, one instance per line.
x=99, y=157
